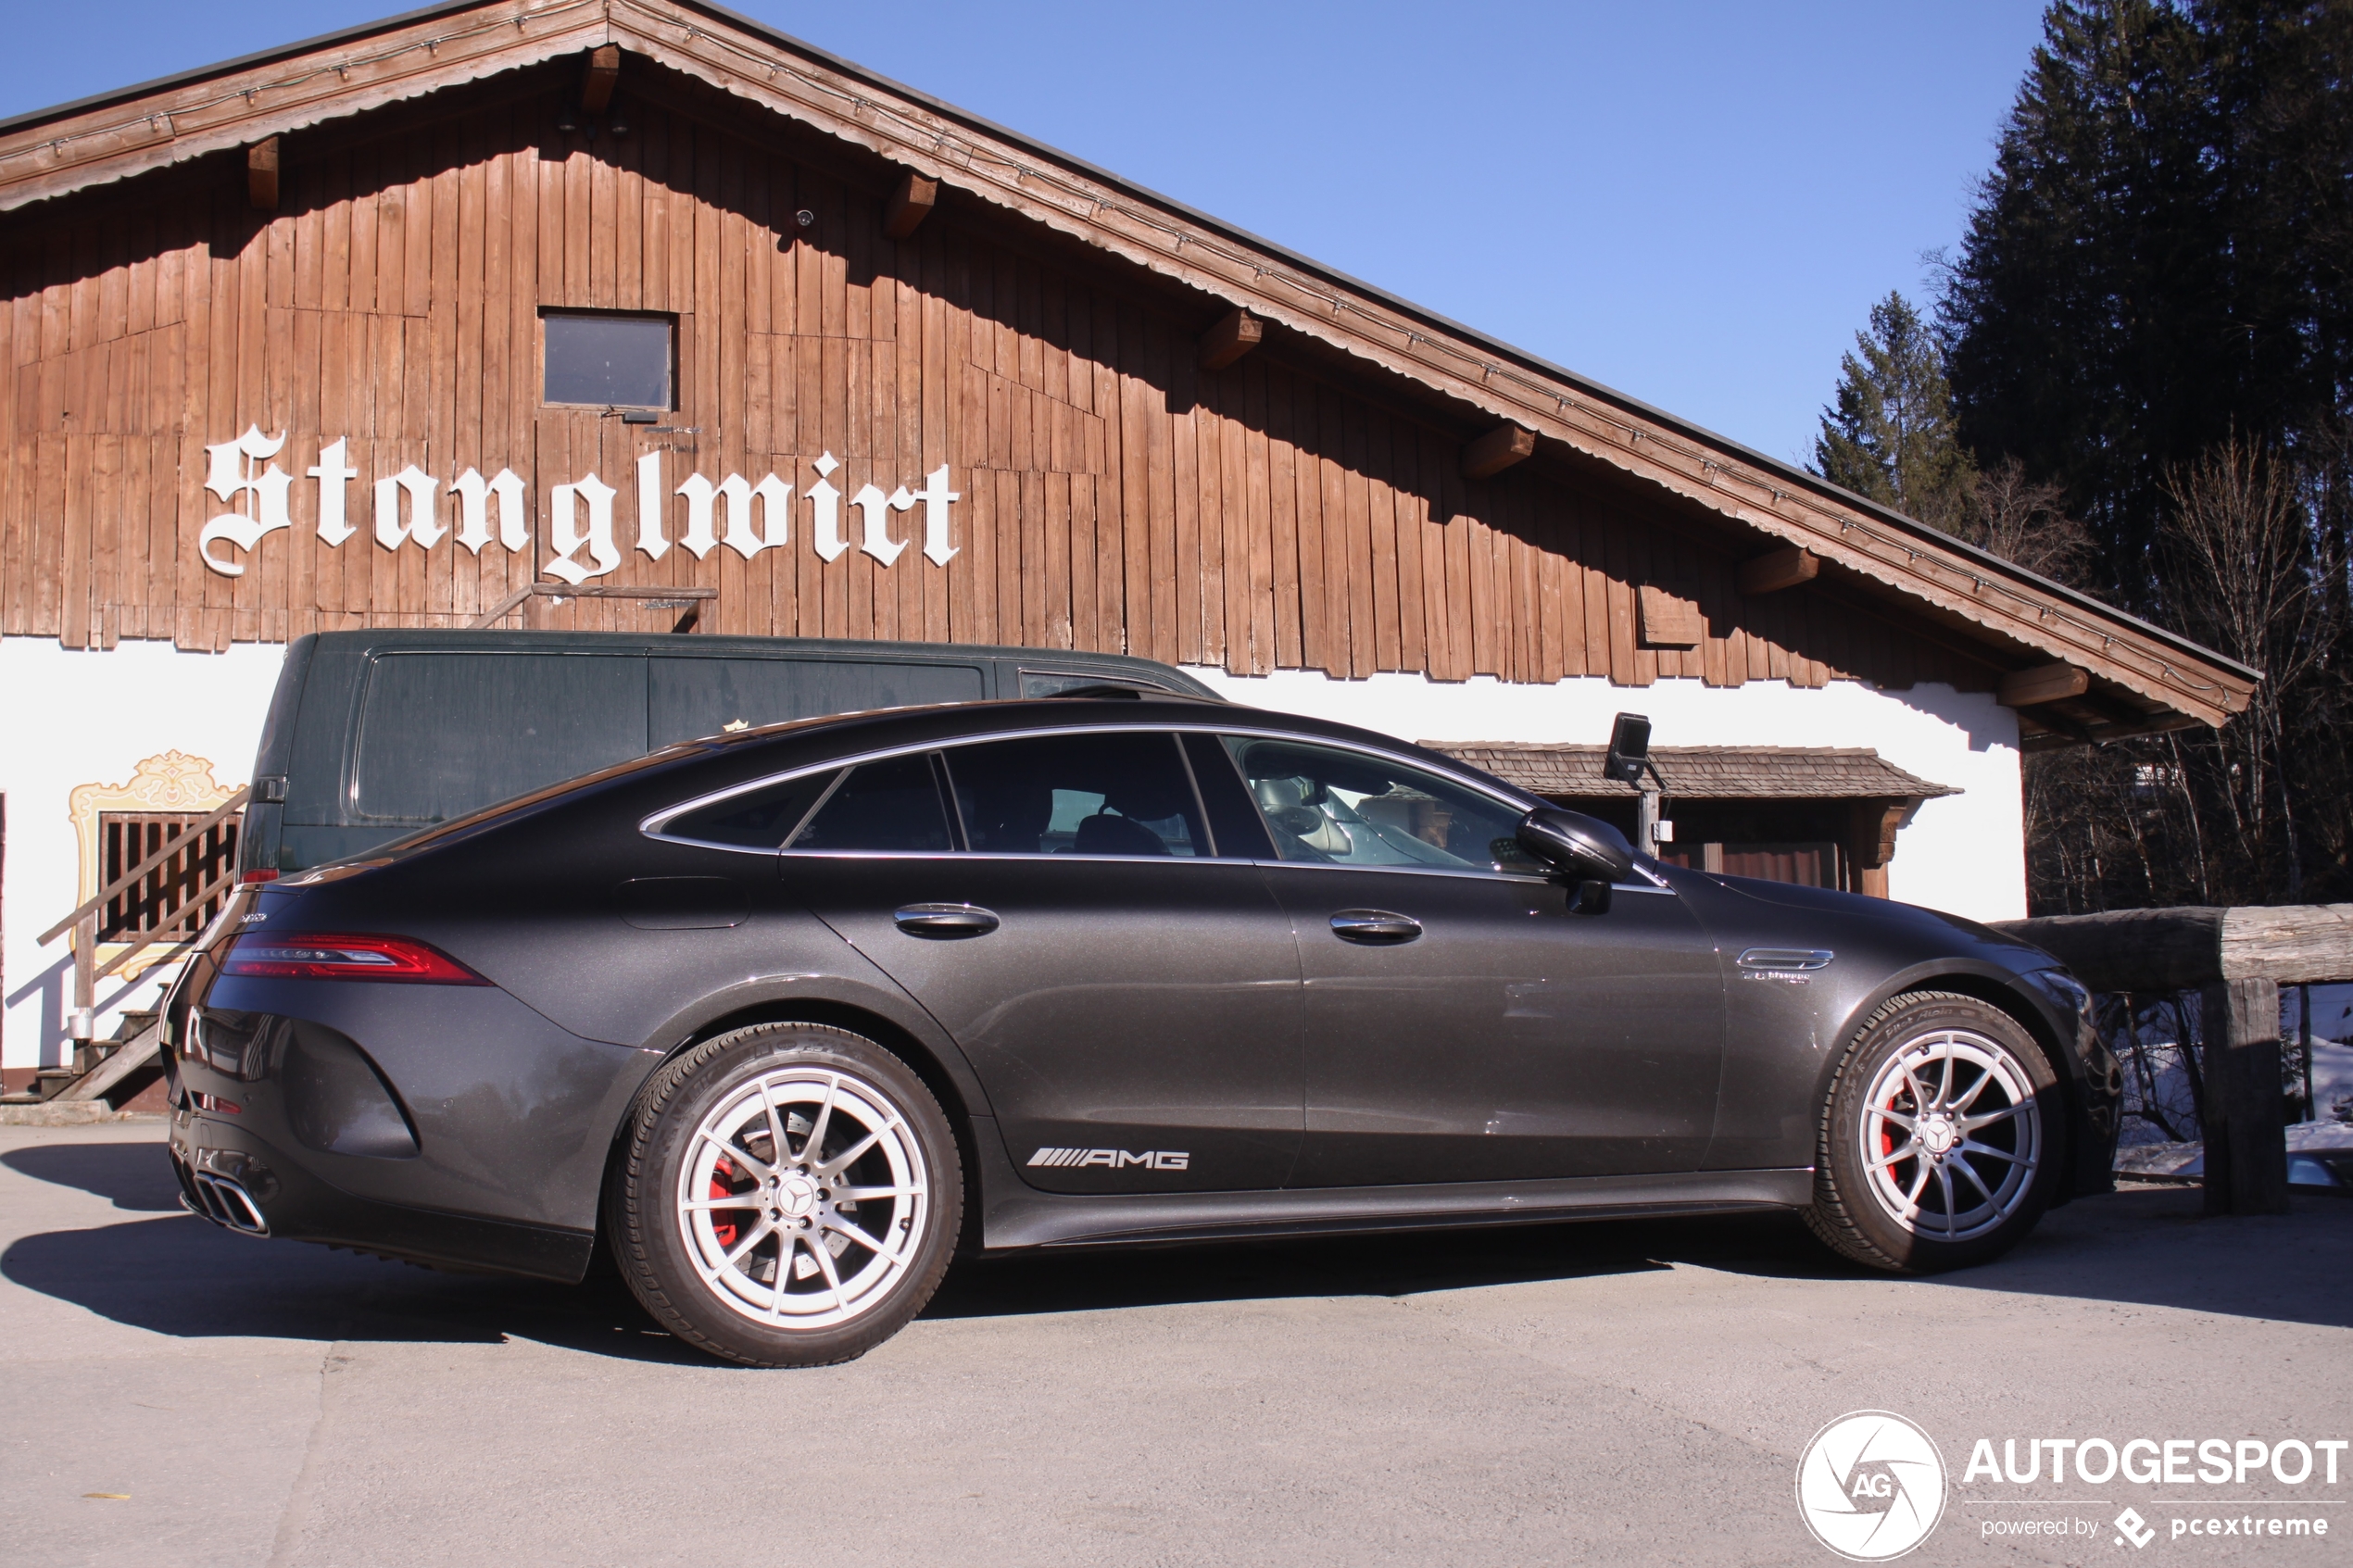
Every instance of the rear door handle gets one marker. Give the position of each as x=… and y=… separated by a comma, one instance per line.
x=945, y=920
x=1377, y=927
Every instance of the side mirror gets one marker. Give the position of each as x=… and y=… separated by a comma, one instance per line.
x=1577, y=845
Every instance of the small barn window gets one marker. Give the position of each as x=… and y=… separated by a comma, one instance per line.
x=605, y=360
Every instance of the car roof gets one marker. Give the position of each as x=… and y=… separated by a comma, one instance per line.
x=733, y=760
x=949, y=723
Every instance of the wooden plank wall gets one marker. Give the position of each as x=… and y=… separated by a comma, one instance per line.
x=1113, y=496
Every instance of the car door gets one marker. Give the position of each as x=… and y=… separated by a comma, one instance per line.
x=1128, y=997
x=1463, y=1021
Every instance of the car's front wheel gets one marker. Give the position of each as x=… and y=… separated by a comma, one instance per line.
x=1938, y=1148
x=787, y=1194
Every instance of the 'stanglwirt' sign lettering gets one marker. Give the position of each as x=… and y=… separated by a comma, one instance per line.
x=580, y=517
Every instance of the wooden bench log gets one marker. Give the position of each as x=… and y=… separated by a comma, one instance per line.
x=2181, y=949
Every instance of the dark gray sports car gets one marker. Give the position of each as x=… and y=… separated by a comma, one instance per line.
x=786, y=1017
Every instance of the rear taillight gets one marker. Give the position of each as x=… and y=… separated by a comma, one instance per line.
x=320, y=956
x=259, y=873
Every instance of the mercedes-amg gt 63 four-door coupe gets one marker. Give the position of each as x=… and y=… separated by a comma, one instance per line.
x=786, y=1018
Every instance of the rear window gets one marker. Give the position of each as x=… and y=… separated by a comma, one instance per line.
x=892, y=805
x=443, y=734
x=760, y=819
x=693, y=697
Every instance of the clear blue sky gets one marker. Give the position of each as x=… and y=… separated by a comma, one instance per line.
x=1694, y=203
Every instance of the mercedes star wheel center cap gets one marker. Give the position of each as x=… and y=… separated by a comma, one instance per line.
x=1936, y=1135
x=796, y=1195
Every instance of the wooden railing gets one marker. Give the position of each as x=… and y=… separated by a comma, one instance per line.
x=2236, y=959
x=84, y=922
x=691, y=601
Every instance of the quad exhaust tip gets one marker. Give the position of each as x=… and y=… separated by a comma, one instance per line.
x=225, y=1202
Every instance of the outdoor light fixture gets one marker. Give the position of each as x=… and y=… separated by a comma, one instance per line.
x=1629, y=748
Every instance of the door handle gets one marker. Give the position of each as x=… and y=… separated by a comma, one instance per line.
x=1377, y=927
x=945, y=920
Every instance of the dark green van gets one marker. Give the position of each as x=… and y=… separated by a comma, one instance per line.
x=374, y=734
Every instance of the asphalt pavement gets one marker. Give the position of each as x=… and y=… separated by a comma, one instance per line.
x=171, y=1394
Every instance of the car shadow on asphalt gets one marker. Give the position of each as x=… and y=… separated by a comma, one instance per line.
x=2148, y=1246
x=172, y=1273
x=1392, y=1264
x=121, y=1174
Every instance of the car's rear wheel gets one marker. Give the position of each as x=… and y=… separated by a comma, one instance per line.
x=788, y=1194
x=1938, y=1146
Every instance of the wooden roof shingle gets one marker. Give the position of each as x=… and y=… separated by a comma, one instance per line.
x=1705, y=772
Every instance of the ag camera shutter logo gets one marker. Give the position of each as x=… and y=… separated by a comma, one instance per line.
x=1871, y=1485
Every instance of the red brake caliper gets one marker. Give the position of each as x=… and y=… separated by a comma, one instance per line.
x=723, y=1233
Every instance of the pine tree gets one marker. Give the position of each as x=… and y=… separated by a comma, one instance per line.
x=1891, y=435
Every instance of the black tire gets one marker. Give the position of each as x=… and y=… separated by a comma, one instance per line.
x=1964, y=1216
x=665, y=1252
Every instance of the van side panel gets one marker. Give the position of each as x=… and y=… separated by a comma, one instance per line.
x=378, y=734
x=258, y=838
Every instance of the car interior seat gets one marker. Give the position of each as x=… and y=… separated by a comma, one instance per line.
x=1104, y=835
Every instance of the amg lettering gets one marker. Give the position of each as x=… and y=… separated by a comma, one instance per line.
x=1111, y=1158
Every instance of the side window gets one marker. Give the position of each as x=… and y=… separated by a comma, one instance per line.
x=1346, y=808
x=758, y=818
x=1087, y=793
x=445, y=733
x=688, y=697
x=1046, y=682
x=890, y=805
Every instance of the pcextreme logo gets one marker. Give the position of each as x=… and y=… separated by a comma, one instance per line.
x=1871, y=1485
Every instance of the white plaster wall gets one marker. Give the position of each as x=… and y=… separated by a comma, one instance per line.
x=70, y=718
x=1965, y=854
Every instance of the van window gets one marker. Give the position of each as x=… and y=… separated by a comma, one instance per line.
x=688, y=699
x=1046, y=682
x=445, y=733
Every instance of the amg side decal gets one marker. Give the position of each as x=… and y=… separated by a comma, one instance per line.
x=1114, y=1159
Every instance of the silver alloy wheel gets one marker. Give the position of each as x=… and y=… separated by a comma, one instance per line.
x=1952, y=1135
x=803, y=1199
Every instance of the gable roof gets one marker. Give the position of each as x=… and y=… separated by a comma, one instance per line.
x=1704, y=773
x=2143, y=678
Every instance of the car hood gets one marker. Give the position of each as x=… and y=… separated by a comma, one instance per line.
x=1930, y=922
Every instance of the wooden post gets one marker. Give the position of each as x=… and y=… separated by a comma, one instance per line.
x=1235, y=334
x=1497, y=450
x=604, y=72
x=910, y=202
x=261, y=175
x=1782, y=568
x=84, y=1023
x=2304, y=1038
x=2245, y=1135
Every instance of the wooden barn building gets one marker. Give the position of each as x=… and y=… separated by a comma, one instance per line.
x=385, y=327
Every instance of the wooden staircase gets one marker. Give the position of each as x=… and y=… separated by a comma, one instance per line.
x=114, y=1071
